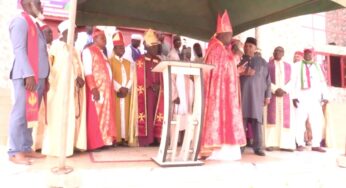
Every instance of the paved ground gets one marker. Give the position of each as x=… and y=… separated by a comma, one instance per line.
x=277, y=169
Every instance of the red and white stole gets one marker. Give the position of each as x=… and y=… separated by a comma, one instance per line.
x=32, y=101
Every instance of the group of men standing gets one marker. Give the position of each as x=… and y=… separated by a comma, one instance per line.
x=243, y=92
x=295, y=115
x=118, y=100
x=101, y=100
x=41, y=71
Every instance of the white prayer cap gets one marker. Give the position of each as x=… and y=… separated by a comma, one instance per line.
x=63, y=26
x=136, y=36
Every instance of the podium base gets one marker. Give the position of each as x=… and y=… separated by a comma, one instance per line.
x=177, y=163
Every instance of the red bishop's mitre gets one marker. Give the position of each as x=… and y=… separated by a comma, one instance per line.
x=118, y=39
x=224, y=23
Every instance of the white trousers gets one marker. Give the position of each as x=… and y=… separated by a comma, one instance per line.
x=309, y=108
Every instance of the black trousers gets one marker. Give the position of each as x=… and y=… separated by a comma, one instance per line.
x=256, y=132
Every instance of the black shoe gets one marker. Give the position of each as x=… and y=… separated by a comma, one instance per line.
x=248, y=142
x=203, y=158
x=154, y=144
x=115, y=144
x=242, y=149
x=323, y=143
x=300, y=148
x=260, y=153
x=288, y=150
x=124, y=144
x=318, y=149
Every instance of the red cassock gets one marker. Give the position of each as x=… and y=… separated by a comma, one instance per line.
x=100, y=115
x=223, y=124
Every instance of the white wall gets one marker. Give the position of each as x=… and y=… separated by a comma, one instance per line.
x=8, y=9
x=293, y=34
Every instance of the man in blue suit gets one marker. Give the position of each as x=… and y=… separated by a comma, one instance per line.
x=29, y=77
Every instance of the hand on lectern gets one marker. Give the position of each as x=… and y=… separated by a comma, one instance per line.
x=176, y=100
x=192, y=77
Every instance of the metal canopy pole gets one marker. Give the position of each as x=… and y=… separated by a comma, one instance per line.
x=62, y=168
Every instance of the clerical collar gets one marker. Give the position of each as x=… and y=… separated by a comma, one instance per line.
x=118, y=58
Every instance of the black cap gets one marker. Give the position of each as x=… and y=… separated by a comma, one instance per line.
x=251, y=40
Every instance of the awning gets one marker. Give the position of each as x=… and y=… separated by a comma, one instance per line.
x=195, y=18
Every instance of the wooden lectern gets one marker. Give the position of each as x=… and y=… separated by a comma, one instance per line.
x=167, y=155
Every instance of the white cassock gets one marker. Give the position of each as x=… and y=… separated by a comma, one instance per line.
x=183, y=88
x=277, y=135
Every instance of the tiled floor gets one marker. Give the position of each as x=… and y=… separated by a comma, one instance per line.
x=277, y=169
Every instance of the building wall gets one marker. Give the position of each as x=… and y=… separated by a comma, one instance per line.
x=300, y=32
x=292, y=34
x=336, y=27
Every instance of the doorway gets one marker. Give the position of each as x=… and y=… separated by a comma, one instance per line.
x=335, y=71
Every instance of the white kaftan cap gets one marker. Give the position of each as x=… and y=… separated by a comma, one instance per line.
x=63, y=26
x=136, y=36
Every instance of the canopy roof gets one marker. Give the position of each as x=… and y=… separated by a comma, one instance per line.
x=195, y=18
